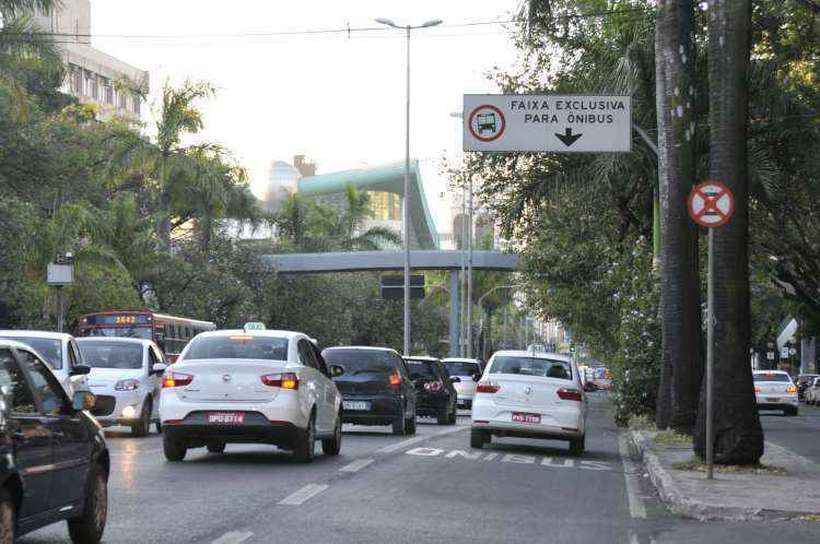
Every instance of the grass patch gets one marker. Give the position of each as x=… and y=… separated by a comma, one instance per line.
x=672, y=438
x=642, y=423
x=697, y=465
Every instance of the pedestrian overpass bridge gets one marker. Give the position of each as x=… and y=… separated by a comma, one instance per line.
x=380, y=261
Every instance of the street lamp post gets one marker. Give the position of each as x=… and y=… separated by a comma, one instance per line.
x=406, y=210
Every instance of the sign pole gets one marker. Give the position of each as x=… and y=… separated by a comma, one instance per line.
x=710, y=354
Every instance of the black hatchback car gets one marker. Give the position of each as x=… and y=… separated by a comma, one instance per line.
x=375, y=385
x=54, y=462
x=436, y=396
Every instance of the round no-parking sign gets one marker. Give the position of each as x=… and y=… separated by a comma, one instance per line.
x=486, y=123
x=711, y=204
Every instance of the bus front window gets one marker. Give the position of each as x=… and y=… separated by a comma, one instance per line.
x=122, y=332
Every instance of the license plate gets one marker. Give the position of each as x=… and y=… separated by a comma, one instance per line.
x=226, y=418
x=519, y=417
x=357, y=405
x=774, y=399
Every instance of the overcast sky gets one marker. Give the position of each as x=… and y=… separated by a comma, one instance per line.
x=337, y=99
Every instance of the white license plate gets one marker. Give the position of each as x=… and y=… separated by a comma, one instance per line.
x=226, y=418
x=357, y=405
x=774, y=399
x=519, y=417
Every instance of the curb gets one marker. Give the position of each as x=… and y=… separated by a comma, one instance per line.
x=679, y=503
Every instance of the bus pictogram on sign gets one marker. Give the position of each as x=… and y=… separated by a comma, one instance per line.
x=486, y=123
x=711, y=204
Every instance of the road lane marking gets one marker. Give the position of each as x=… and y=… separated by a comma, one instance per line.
x=403, y=444
x=234, y=537
x=636, y=507
x=356, y=465
x=513, y=458
x=304, y=494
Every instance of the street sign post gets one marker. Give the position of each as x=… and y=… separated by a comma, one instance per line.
x=548, y=123
x=710, y=204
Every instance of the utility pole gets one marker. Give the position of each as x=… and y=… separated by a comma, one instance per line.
x=470, y=267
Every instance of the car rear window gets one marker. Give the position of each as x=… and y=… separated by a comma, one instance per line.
x=106, y=354
x=771, y=377
x=421, y=369
x=531, y=366
x=360, y=361
x=238, y=347
x=462, y=368
x=49, y=348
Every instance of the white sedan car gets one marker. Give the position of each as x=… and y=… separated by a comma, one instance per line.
x=61, y=353
x=774, y=390
x=530, y=395
x=126, y=378
x=812, y=393
x=250, y=386
x=468, y=371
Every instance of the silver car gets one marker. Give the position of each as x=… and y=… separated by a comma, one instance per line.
x=469, y=372
x=61, y=353
x=126, y=377
x=774, y=390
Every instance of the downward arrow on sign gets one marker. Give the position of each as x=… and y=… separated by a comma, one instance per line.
x=568, y=137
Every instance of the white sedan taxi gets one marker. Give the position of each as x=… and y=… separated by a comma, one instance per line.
x=530, y=395
x=250, y=386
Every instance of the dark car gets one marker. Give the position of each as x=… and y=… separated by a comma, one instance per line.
x=435, y=395
x=804, y=381
x=375, y=385
x=54, y=462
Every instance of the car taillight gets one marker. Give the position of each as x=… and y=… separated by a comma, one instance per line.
x=395, y=380
x=791, y=389
x=433, y=387
x=569, y=394
x=288, y=380
x=487, y=387
x=176, y=379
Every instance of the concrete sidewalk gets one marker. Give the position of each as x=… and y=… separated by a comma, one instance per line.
x=732, y=495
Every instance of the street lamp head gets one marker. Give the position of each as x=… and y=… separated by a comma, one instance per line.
x=433, y=22
x=388, y=22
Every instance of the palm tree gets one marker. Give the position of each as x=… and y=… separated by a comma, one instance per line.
x=738, y=434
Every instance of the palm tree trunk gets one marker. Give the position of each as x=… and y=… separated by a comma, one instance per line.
x=738, y=435
x=682, y=367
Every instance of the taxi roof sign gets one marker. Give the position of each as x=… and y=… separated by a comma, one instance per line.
x=254, y=326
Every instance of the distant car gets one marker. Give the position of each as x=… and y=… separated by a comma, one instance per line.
x=804, y=382
x=60, y=351
x=469, y=372
x=126, y=379
x=436, y=396
x=812, y=393
x=376, y=387
x=55, y=460
x=530, y=395
x=774, y=390
x=250, y=386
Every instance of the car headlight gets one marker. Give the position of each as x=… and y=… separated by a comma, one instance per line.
x=127, y=385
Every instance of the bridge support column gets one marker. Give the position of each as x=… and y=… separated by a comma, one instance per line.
x=455, y=315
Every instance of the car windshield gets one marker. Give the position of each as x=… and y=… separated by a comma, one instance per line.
x=421, y=369
x=359, y=361
x=239, y=346
x=462, y=368
x=531, y=366
x=106, y=354
x=49, y=348
x=771, y=377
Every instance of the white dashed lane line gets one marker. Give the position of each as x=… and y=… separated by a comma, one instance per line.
x=303, y=495
x=356, y=465
x=234, y=537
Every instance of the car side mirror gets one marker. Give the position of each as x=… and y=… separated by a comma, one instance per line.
x=158, y=369
x=336, y=371
x=83, y=400
x=455, y=379
x=80, y=370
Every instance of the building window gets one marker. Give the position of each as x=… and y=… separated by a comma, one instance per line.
x=122, y=103
x=137, y=106
x=76, y=80
x=108, y=91
x=94, y=87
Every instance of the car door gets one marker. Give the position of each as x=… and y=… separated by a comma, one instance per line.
x=313, y=384
x=72, y=442
x=31, y=438
x=408, y=389
x=154, y=380
x=332, y=397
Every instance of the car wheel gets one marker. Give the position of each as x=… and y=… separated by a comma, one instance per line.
x=478, y=438
x=411, y=425
x=790, y=412
x=7, y=521
x=306, y=443
x=216, y=447
x=142, y=427
x=89, y=527
x=443, y=417
x=576, y=447
x=333, y=446
x=453, y=416
x=173, y=449
x=400, y=425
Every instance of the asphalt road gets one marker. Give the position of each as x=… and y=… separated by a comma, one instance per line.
x=429, y=488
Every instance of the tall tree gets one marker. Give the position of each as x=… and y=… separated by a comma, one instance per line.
x=738, y=434
x=681, y=365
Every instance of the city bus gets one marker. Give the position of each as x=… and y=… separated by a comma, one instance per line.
x=169, y=332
